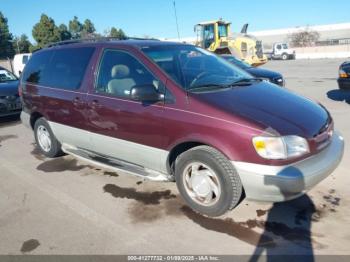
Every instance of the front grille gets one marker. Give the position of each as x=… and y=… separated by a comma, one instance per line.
x=323, y=137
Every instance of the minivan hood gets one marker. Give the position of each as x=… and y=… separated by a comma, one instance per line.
x=270, y=106
x=259, y=72
x=9, y=88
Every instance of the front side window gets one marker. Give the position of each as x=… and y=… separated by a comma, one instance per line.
x=193, y=67
x=119, y=72
x=6, y=76
x=209, y=36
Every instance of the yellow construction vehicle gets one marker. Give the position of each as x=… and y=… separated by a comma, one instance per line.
x=215, y=37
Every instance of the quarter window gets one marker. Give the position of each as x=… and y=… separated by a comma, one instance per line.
x=120, y=71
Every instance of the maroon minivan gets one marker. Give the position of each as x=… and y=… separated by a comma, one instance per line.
x=171, y=111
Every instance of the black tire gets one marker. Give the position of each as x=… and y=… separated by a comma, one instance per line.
x=285, y=56
x=55, y=149
x=231, y=186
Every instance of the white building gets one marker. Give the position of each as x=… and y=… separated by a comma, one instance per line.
x=327, y=32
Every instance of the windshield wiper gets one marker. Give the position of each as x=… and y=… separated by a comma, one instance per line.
x=207, y=85
x=245, y=81
x=240, y=82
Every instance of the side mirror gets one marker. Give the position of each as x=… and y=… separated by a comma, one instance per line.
x=146, y=93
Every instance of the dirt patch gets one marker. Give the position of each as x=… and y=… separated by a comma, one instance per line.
x=109, y=173
x=61, y=164
x=147, y=198
x=29, y=245
x=140, y=213
x=332, y=202
x=261, y=212
x=228, y=226
x=7, y=137
x=138, y=183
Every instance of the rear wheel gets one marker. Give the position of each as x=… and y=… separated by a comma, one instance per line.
x=45, y=139
x=207, y=181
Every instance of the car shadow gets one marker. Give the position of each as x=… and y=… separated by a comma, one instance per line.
x=303, y=209
x=339, y=95
x=9, y=120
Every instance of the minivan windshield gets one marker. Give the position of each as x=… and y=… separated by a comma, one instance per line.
x=237, y=62
x=193, y=67
x=6, y=76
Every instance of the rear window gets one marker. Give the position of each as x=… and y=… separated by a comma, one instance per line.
x=62, y=69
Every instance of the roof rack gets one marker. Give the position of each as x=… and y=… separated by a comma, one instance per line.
x=94, y=40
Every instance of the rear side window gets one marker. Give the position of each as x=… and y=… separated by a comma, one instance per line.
x=34, y=70
x=62, y=69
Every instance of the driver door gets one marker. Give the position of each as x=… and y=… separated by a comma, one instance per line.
x=128, y=130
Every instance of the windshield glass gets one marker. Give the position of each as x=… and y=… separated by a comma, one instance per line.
x=237, y=62
x=6, y=76
x=192, y=67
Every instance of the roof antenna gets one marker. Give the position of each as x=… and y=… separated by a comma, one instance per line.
x=177, y=25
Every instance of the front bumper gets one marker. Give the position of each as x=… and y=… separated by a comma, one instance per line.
x=281, y=183
x=25, y=118
x=10, y=107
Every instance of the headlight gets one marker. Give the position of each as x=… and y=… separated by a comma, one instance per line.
x=280, y=147
x=265, y=79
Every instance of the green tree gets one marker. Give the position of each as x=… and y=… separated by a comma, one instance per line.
x=6, y=47
x=21, y=44
x=88, y=28
x=45, y=31
x=117, y=33
x=33, y=48
x=75, y=28
x=64, y=32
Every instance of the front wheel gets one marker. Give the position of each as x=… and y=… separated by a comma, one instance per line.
x=207, y=181
x=45, y=139
x=284, y=56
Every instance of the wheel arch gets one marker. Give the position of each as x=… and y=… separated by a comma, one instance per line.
x=34, y=117
x=184, y=146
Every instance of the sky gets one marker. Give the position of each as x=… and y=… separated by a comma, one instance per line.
x=156, y=18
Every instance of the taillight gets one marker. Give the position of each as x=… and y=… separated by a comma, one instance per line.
x=20, y=90
x=342, y=73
